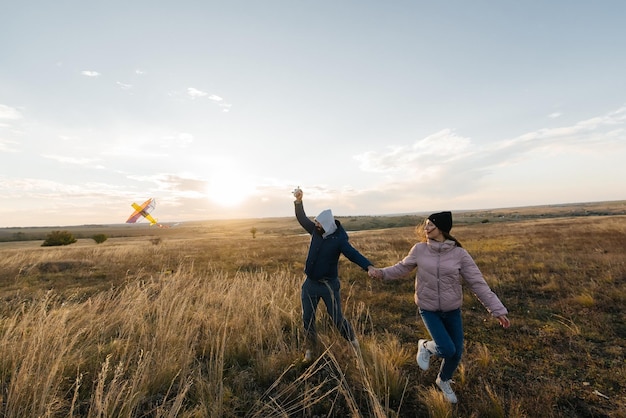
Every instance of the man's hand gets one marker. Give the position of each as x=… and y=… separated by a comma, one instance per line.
x=297, y=193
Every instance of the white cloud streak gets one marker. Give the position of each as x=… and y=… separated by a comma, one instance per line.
x=43, y=188
x=8, y=116
x=9, y=113
x=71, y=160
x=195, y=93
x=6, y=145
x=448, y=161
x=89, y=73
x=124, y=86
x=436, y=149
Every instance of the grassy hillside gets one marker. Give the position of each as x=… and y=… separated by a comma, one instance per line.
x=204, y=321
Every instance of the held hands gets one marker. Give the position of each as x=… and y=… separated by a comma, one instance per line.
x=375, y=273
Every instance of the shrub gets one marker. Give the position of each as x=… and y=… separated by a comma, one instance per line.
x=56, y=238
x=99, y=238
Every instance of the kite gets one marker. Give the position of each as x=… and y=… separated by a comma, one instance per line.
x=143, y=210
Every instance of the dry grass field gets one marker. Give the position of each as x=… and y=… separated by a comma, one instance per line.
x=203, y=320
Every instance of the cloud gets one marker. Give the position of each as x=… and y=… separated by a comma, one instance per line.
x=71, y=160
x=184, y=139
x=446, y=161
x=181, y=139
x=144, y=143
x=175, y=184
x=9, y=113
x=123, y=85
x=585, y=134
x=44, y=188
x=6, y=145
x=444, y=143
x=424, y=155
x=139, y=72
x=195, y=93
x=555, y=115
x=88, y=73
x=182, y=183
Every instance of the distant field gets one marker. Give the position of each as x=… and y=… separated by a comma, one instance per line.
x=286, y=225
x=203, y=320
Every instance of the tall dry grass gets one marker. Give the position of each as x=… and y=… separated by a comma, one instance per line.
x=184, y=340
x=209, y=326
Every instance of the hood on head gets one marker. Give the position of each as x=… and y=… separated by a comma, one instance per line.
x=327, y=220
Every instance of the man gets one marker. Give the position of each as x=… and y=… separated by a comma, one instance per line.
x=328, y=241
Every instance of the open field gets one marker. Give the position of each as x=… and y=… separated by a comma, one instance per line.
x=203, y=320
x=286, y=226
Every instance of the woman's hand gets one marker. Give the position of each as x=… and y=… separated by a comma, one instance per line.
x=504, y=321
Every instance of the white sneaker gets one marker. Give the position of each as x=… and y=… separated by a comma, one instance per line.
x=308, y=356
x=444, y=385
x=423, y=355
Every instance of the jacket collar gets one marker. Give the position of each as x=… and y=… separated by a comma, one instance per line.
x=441, y=246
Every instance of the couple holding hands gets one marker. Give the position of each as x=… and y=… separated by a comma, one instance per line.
x=441, y=264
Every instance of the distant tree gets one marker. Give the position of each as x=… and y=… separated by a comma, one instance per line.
x=56, y=238
x=99, y=238
x=253, y=232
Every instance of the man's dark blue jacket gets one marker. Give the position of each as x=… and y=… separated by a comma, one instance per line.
x=323, y=258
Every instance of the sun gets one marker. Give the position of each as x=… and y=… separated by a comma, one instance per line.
x=229, y=186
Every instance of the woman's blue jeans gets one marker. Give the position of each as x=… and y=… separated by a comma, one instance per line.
x=328, y=291
x=446, y=330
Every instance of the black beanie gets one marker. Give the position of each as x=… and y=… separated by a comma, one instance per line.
x=442, y=220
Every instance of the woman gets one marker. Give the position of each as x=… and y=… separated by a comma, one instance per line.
x=441, y=263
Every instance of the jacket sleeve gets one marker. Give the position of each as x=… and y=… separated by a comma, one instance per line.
x=305, y=222
x=402, y=268
x=354, y=255
x=477, y=284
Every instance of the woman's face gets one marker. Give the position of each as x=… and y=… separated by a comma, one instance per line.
x=432, y=232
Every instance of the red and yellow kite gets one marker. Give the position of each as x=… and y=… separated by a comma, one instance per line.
x=143, y=210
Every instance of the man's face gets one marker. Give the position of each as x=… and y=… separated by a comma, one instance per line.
x=318, y=226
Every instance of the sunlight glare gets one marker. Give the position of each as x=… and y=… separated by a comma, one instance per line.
x=229, y=186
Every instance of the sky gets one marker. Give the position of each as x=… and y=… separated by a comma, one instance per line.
x=219, y=109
